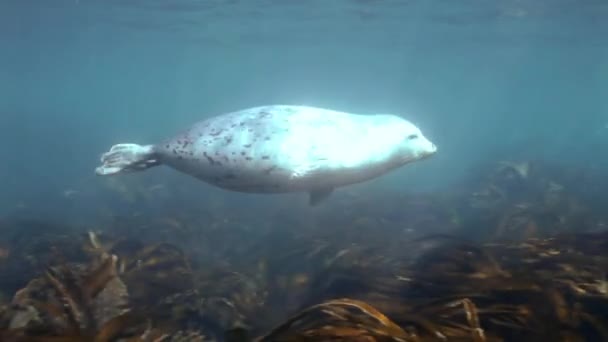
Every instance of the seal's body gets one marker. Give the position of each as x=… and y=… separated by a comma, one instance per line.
x=278, y=149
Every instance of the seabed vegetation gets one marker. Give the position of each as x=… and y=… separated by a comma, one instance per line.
x=519, y=254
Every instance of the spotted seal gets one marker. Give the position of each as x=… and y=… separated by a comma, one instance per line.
x=280, y=149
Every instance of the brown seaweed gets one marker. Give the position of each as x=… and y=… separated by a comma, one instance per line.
x=72, y=302
x=339, y=319
x=514, y=260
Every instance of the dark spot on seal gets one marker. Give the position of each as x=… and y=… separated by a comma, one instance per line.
x=243, y=153
x=167, y=146
x=248, y=158
x=263, y=114
x=211, y=160
x=247, y=146
x=241, y=124
x=269, y=169
x=267, y=138
x=228, y=140
x=216, y=133
x=230, y=176
x=265, y=157
x=233, y=153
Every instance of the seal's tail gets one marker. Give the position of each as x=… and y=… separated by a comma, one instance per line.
x=123, y=158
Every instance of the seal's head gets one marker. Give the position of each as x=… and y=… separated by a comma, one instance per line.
x=410, y=144
x=415, y=144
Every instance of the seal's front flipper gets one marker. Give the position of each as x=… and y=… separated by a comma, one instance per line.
x=317, y=196
x=124, y=158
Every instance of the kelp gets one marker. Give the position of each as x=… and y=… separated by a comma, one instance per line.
x=90, y=302
x=339, y=319
x=514, y=259
x=28, y=247
x=524, y=199
x=468, y=293
x=451, y=290
x=72, y=302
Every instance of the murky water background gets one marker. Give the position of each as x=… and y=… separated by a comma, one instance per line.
x=512, y=93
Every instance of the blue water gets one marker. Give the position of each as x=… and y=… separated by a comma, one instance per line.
x=485, y=80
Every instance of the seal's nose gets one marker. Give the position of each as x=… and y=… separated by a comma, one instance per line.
x=429, y=147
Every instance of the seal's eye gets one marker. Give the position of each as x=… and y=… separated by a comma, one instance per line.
x=412, y=136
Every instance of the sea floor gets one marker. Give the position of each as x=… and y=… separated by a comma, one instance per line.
x=518, y=254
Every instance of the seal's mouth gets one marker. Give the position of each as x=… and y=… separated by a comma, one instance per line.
x=426, y=155
x=420, y=156
x=431, y=150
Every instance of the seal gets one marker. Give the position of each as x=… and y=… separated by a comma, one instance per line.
x=280, y=149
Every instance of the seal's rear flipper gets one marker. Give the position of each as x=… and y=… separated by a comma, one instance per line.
x=317, y=196
x=124, y=158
